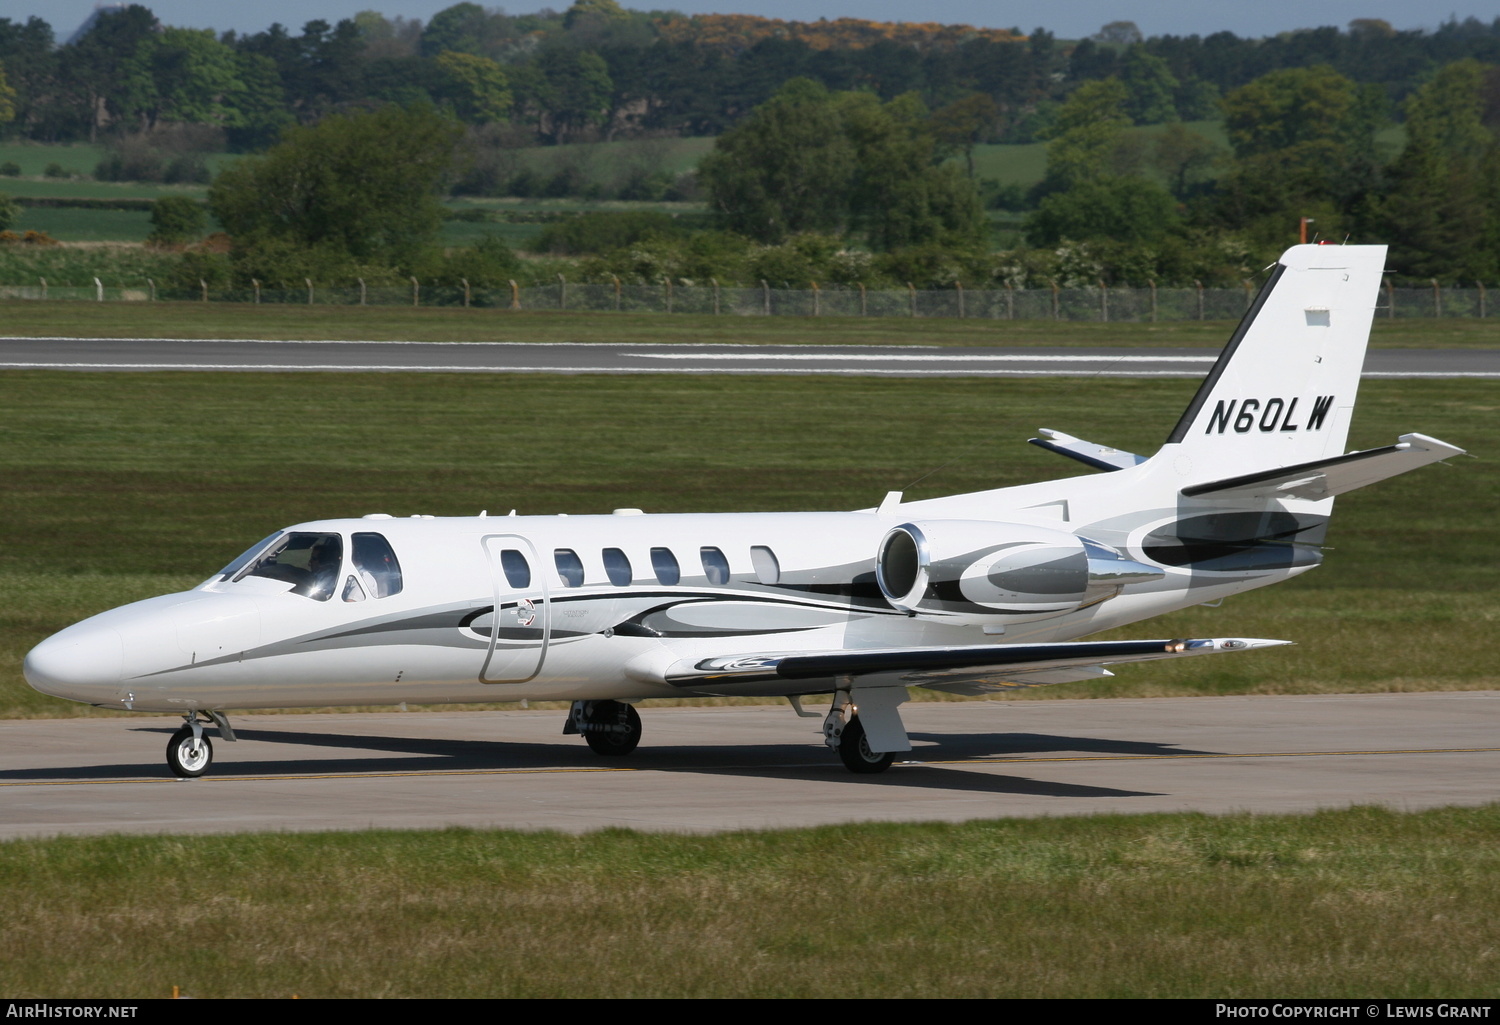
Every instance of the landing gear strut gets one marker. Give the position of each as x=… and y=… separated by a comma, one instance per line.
x=612, y=728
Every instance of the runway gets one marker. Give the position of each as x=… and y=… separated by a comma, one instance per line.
x=716, y=769
x=239, y=354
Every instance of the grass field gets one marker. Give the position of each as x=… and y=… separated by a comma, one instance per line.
x=1356, y=904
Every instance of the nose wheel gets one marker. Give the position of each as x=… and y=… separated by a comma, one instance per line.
x=190, y=752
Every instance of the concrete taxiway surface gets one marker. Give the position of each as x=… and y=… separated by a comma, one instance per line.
x=141, y=354
x=713, y=769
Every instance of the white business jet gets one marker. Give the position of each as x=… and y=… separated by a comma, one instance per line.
x=970, y=594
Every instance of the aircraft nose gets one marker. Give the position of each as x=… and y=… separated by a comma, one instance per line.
x=79, y=664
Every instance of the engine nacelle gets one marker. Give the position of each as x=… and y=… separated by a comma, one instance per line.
x=979, y=571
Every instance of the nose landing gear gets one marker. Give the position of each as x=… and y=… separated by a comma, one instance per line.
x=190, y=752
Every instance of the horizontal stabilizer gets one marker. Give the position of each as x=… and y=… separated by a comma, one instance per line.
x=1100, y=457
x=1325, y=478
x=977, y=668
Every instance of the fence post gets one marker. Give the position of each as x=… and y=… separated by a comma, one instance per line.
x=308, y=282
x=1152, y=283
x=152, y=285
x=99, y=291
x=960, y=286
x=467, y=293
x=562, y=292
x=1249, y=295
x=201, y=284
x=1437, y=297
x=361, y=291
x=1390, y=300
x=44, y=287
x=1010, y=301
x=816, y=296
x=715, y=283
x=765, y=291
x=1054, y=299
x=1199, y=286
x=862, y=306
x=1481, y=298
x=911, y=296
x=416, y=291
x=1103, y=302
x=668, y=283
x=255, y=284
x=515, y=295
x=617, y=292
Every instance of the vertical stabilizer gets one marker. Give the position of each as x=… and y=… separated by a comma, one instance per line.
x=1283, y=389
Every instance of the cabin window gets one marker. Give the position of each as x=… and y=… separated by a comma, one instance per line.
x=352, y=590
x=617, y=567
x=569, y=567
x=517, y=569
x=309, y=562
x=376, y=565
x=767, y=569
x=715, y=566
x=664, y=565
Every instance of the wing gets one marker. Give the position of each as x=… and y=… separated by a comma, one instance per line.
x=976, y=669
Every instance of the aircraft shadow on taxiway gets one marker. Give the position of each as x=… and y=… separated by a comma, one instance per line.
x=396, y=754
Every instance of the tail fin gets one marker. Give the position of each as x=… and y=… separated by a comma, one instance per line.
x=1283, y=390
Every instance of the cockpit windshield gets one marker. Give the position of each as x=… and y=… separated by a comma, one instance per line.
x=308, y=561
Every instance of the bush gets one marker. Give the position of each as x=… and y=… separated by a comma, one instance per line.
x=9, y=211
x=56, y=170
x=176, y=219
x=10, y=169
x=603, y=232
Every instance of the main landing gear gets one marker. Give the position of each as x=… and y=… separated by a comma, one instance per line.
x=190, y=752
x=845, y=733
x=612, y=728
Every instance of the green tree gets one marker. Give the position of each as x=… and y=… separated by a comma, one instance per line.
x=9, y=211
x=1130, y=210
x=362, y=187
x=192, y=78
x=1440, y=212
x=785, y=169
x=7, y=98
x=572, y=91
x=963, y=124
x=1183, y=157
x=1085, y=134
x=809, y=160
x=476, y=86
x=1151, y=87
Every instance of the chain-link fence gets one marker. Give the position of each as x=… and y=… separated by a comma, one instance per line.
x=1077, y=304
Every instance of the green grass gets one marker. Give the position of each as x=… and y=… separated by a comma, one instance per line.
x=33, y=158
x=1354, y=904
x=118, y=486
x=68, y=225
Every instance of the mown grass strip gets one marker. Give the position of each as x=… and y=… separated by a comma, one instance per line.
x=1357, y=903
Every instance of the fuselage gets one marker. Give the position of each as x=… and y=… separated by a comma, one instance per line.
x=499, y=608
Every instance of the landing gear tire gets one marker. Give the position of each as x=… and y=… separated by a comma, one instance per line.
x=613, y=728
x=854, y=750
x=187, y=756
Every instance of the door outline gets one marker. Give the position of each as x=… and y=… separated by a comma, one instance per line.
x=515, y=665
